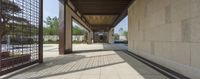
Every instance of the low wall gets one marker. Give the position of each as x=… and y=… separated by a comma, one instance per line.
x=51, y=37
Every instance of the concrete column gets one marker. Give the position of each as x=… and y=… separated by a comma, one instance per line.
x=90, y=37
x=68, y=31
x=65, y=37
x=66, y=16
x=110, y=35
x=8, y=40
x=62, y=20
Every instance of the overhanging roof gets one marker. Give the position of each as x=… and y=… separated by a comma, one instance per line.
x=102, y=12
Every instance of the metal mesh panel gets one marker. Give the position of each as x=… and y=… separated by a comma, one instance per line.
x=19, y=33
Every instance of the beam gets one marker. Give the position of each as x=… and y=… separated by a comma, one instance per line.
x=120, y=17
x=75, y=6
x=62, y=1
x=80, y=24
x=123, y=14
x=101, y=14
x=101, y=28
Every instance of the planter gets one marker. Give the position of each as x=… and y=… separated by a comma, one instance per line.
x=14, y=60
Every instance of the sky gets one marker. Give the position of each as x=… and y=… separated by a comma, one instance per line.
x=123, y=24
x=51, y=8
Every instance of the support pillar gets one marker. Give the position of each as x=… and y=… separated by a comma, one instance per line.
x=65, y=19
x=90, y=37
x=110, y=35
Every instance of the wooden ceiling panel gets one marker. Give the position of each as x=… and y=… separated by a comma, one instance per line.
x=101, y=19
x=102, y=12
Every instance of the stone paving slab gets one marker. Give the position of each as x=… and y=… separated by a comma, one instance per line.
x=107, y=64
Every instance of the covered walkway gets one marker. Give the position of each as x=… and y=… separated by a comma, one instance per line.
x=163, y=32
x=95, y=61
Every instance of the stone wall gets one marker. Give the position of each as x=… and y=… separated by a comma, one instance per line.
x=78, y=37
x=167, y=32
x=51, y=38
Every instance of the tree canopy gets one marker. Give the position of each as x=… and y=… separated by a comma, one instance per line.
x=52, y=26
x=8, y=19
x=125, y=33
x=78, y=31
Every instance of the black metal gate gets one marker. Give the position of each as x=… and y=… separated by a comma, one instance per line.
x=20, y=34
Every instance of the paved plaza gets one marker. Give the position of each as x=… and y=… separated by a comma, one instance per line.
x=93, y=61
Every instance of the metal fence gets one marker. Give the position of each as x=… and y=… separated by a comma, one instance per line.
x=20, y=32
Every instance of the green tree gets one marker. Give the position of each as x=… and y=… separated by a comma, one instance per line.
x=78, y=31
x=8, y=19
x=116, y=36
x=125, y=33
x=52, y=27
x=121, y=30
